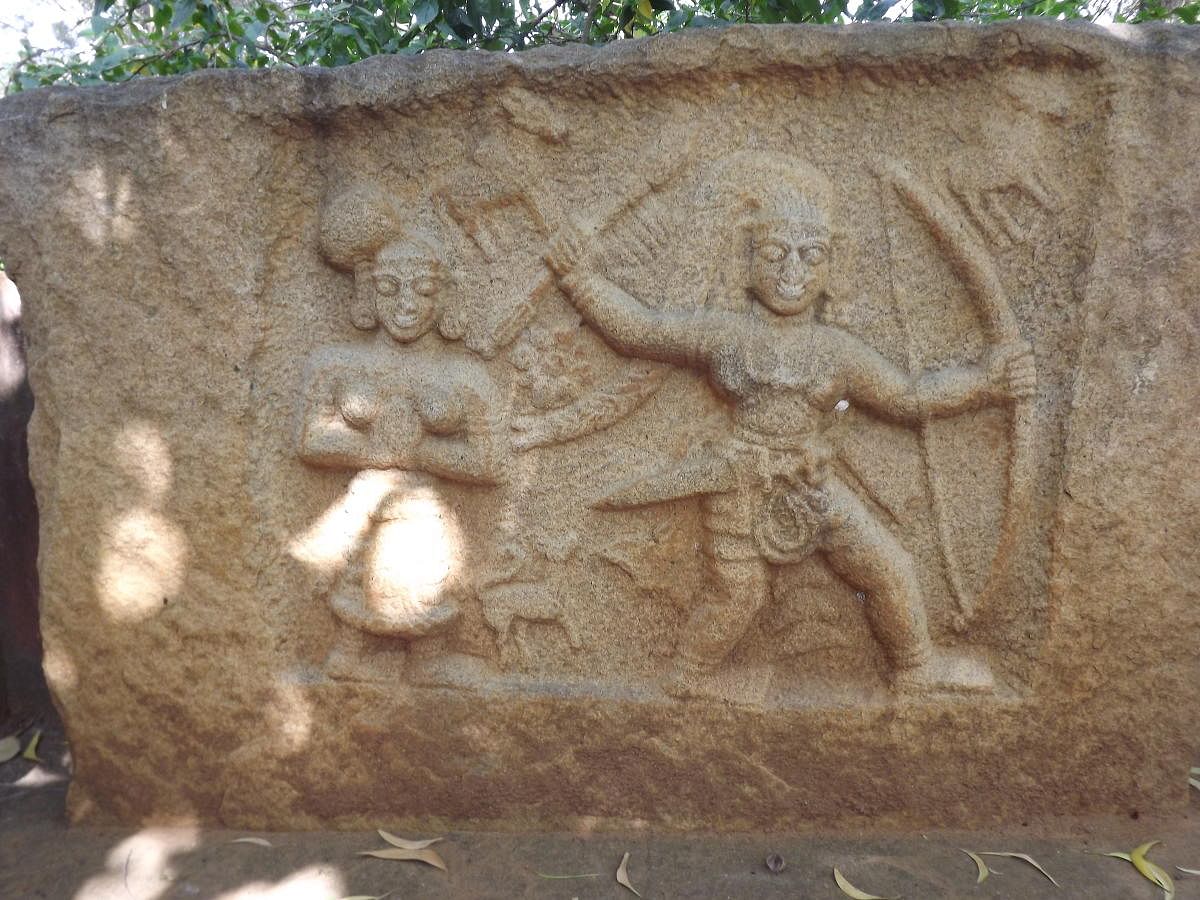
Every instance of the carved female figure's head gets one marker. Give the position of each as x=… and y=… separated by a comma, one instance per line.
x=404, y=287
x=774, y=209
x=400, y=281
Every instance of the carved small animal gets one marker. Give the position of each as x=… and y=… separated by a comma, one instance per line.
x=508, y=608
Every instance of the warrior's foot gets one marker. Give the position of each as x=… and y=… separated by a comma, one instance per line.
x=686, y=678
x=695, y=681
x=945, y=673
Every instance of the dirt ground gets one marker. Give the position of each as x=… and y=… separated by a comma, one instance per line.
x=40, y=857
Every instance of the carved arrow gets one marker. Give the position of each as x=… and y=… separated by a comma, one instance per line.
x=974, y=266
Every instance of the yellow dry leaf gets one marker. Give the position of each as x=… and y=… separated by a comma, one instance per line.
x=425, y=855
x=563, y=877
x=31, y=748
x=257, y=841
x=984, y=871
x=405, y=843
x=851, y=891
x=1152, y=871
x=1188, y=871
x=9, y=748
x=1124, y=856
x=1024, y=857
x=623, y=874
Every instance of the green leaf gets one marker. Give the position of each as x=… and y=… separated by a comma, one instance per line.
x=184, y=10
x=425, y=11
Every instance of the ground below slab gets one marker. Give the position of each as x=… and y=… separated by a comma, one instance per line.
x=40, y=857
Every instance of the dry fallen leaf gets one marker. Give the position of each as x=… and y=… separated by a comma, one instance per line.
x=1024, y=857
x=1152, y=871
x=623, y=874
x=257, y=841
x=405, y=843
x=1194, y=783
x=9, y=748
x=31, y=748
x=1188, y=871
x=584, y=875
x=775, y=863
x=984, y=871
x=425, y=855
x=1124, y=856
x=851, y=891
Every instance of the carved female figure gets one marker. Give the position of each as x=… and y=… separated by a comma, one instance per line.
x=768, y=493
x=409, y=402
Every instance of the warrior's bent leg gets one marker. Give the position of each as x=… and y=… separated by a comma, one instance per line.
x=737, y=590
x=870, y=559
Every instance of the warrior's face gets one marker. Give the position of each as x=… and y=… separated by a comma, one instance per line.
x=405, y=287
x=789, y=263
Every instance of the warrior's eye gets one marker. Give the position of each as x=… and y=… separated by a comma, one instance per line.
x=772, y=252
x=426, y=287
x=386, y=285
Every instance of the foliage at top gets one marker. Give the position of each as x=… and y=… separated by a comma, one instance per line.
x=124, y=39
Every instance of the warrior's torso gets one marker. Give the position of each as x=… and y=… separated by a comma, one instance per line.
x=782, y=383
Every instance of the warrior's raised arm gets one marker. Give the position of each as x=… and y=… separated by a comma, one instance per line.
x=630, y=326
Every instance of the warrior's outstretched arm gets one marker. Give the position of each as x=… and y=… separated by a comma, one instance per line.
x=873, y=381
x=634, y=329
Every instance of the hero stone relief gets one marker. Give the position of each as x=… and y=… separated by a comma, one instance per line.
x=430, y=391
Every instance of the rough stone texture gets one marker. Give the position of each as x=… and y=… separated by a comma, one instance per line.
x=750, y=429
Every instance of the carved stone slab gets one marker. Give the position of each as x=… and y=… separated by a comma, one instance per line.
x=746, y=429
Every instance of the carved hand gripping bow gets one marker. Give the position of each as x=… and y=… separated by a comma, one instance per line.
x=974, y=266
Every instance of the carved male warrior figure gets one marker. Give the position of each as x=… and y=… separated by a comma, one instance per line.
x=767, y=491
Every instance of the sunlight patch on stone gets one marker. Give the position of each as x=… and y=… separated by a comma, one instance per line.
x=291, y=716
x=102, y=216
x=141, y=866
x=312, y=883
x=331, y=539
x=143, y=558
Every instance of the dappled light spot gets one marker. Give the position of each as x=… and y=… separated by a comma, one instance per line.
x=12, y=365
x=38, y=777
x=143, y=558
x=142, y=566
x=59, y=666
x=290, y=716
x=103, y=215
x=394, y=543
x=141, y=866
x=415, y=551
x=328, y=542
x=144, y=455
x=312, y=883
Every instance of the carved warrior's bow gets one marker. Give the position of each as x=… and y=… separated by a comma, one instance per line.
x=974, y=266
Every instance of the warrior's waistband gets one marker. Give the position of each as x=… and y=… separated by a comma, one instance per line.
x=795, y=442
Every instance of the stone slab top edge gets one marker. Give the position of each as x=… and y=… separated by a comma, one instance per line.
x=892, y=51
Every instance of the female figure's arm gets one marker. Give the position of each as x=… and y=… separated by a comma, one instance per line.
x=339, y=412
x=463, y=438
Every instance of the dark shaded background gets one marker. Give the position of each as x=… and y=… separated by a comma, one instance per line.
x=21, y=685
